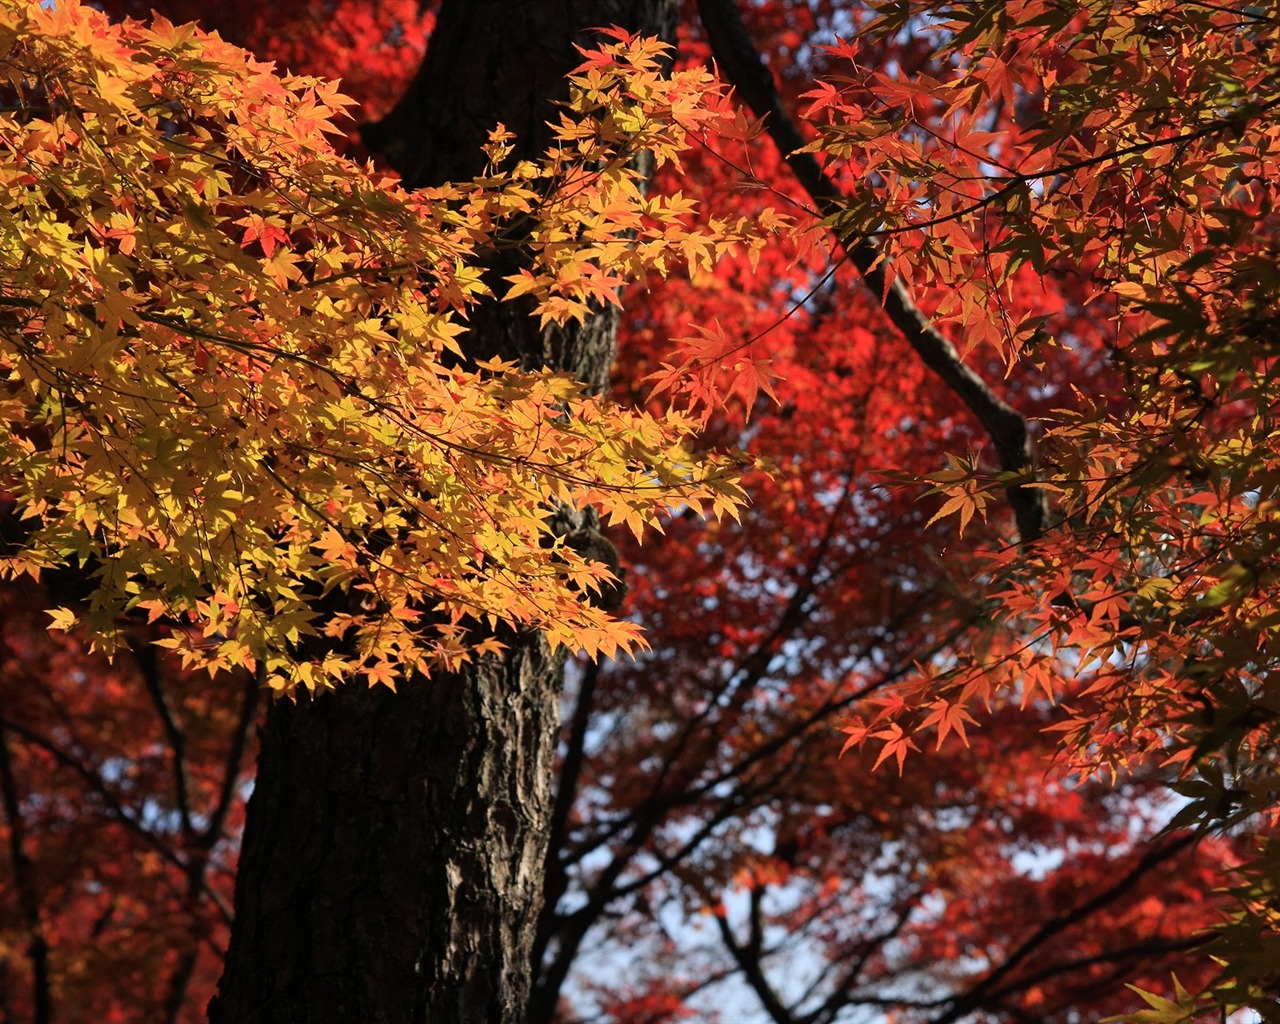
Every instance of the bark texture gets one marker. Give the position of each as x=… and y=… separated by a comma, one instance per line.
x=392, y=864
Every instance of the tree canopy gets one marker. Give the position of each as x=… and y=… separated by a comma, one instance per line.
x=230, y=383
x=985, y=294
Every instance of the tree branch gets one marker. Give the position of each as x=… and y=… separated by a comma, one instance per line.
x=250, y=698
x=747, y=955
x=114, y=806
x=24, y=882
x=1008, y=429
x=992, y=984
x=145, y=656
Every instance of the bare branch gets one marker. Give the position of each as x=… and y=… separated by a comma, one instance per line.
x=747, y=956
x=145, y=656
x=24, y=882
x=250, y=697
x=993, y=983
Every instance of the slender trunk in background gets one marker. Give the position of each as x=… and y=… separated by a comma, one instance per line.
x=392, y=864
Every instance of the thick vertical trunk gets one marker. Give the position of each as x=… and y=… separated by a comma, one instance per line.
x=393, y=854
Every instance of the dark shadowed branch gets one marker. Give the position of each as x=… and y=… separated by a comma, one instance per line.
x=1008, y=429
x=25, y=884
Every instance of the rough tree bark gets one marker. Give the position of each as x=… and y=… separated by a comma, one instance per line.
x=392, y=864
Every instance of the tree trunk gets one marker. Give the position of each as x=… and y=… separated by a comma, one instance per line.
x=393, y=853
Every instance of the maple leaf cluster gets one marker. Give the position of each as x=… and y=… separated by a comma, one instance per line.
x=1140, y=162
x=236, y=388
x=1081, y=195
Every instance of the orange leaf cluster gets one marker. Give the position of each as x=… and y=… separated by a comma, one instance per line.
x=230, y=353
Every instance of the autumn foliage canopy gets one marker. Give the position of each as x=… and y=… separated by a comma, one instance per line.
x=973, y=306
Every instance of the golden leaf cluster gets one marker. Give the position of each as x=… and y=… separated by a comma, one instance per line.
x=230, y=359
